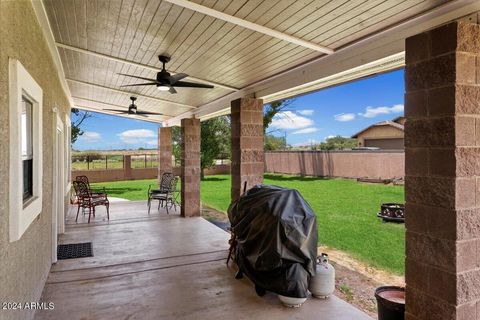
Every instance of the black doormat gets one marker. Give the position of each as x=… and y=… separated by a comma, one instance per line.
x=74, y=250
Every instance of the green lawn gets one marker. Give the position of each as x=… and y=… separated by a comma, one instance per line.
x=346, y=212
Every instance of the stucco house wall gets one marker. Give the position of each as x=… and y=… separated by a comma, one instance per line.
x=25, y=263
x=379, y=132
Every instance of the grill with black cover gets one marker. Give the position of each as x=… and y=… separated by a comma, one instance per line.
x=276, y=239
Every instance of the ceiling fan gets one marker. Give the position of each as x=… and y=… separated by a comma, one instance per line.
x=165, y=81
x=132, y=110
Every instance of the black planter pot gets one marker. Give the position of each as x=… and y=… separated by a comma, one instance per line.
x=390, y=302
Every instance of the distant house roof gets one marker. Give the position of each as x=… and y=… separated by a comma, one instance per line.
x=383, y=123
x=398, y=119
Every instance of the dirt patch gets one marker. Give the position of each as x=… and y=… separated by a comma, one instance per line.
x=212, y=214
x=355, y=281
x=344, y=259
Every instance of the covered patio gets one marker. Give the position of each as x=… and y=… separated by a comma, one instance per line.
x=161, y=266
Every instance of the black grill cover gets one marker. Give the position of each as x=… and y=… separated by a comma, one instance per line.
x=276, y=239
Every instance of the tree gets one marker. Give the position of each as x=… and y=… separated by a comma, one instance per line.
x=177, y=144
x=79, y=116
x=215, y=141
x=215, y=136
x=337, y=143
x=272, y=142
x=272, y=109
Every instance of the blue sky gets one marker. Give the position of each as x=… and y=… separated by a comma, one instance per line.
x=342, y=110
x=104, y=132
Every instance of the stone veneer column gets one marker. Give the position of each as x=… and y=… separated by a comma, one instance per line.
x=190, y=168
x=247, y=144
x=164, y=151
x=442, y=163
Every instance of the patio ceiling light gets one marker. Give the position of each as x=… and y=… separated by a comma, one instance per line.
x=132, y=110
x=163, y=87
x=165, y=81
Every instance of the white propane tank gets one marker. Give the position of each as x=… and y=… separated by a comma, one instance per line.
x=322, y=285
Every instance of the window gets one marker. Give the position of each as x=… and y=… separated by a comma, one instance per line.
x=27, y=148
x=26, y=168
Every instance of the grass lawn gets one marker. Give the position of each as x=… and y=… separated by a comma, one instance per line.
x=346, y=212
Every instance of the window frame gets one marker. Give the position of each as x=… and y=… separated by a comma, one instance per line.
x=68, y=154
x=27, y=154
x=23, y=213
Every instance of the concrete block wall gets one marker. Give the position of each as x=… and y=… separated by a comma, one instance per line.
x=344, y=164
x=164, y=150
x=442, y=138
x=190, y=168
x=247, y=144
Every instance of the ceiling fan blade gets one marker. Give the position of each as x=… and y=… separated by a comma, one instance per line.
x=142, y=78
x=117, y=110
x=151, y=113
x=140, y=84
x=172, y=90
x=192, y=85
x=179, y=76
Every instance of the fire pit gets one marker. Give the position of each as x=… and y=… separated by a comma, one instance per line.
x=394, y=212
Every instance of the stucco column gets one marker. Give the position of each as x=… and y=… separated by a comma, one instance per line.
x=442, y=138
x=190, y=168
x=164, y=151
x=247, y=144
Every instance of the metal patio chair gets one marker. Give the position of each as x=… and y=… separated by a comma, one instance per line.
x=165, y=181
x=87, y=200
x=94, y=192
x=167, y=195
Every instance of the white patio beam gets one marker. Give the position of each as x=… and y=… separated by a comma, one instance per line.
x=130, y=93
x=136, y=64
x=250, y=25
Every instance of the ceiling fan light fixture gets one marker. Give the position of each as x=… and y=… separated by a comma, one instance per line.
x=163, y=87
x=165, y=81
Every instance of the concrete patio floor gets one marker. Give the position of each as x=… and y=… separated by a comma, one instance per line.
x=161, y=266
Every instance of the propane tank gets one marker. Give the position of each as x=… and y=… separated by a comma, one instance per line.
x=322, y=285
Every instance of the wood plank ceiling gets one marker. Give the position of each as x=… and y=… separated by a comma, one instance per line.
x=204, y=47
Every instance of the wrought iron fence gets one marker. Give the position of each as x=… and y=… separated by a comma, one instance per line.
x=112, y=161
x=144, y=161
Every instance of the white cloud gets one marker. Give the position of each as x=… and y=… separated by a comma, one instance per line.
x=343, y=117
x=306, y=130
x=371, y=112
x=137, y=136
x=306, y=112
x=90, y=136
x=152, y=142
x=290, y=120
